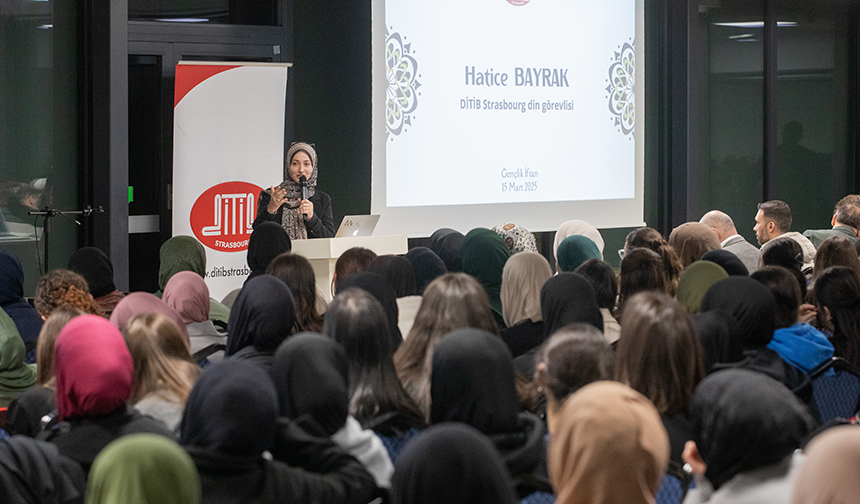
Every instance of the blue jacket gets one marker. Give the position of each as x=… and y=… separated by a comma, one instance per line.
x=802, y=346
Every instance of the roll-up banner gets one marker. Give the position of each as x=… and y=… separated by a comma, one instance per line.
x=228, y=144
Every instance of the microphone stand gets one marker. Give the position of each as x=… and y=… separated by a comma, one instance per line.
x=47, y=213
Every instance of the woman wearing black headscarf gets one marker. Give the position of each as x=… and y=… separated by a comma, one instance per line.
x=446, y=243
x=267, y=242
x=311, y=375
x=231, y=418
x=752, y=305
x=473, y=383
x=379, y=288
x=262, y=317
x=745, y=428
x=400, y=275
x=451, y=463
x=34, y=471
x=96, y=268
x=730, y=262
x=718, y=331
x=426, y=265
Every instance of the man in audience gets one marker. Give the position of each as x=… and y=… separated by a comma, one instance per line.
x=772, y=220
x=724, y=227
x=845, y=222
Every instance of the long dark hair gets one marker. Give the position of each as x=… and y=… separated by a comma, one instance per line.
x=838, y=290
x=358, y=322
x=295, y=271
x=641, y=270
x=651, y=239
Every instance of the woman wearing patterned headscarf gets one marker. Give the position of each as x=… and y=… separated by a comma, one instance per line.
x=301, y=218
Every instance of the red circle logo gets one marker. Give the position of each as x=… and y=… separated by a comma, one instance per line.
x=222, y=216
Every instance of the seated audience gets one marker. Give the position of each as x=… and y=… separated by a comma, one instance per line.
x=601, y=425
x=380, y=289
x=773, y=220
x=16, y=376
x=96, y=268
x=267, y=241
x=829, y=474
x=660, y=356
x=447, y=244
x=641, y=270
x=845, y=222
x=187, y=293
x=718, y=333
x=730, y=262
x=484, y=256
x=297, y=272
x=575, y=250
x=26, y=318
x=185, y=253
x=837, y=298
x=400, y=275
x=63, y=287
x=261, y=319
x=605, y=285
x=451, y=463
x=730, y=241
x=143, y=469
x=573, y=357
x=517, y=238
x=522, y=279
x=163, y=370
x=787, y=253
x=577, y=228
x=427, y=267
x=452, y=301
x=230, y=420
x=695, y=281
x=34, y=472
x=835, y=251
x=691, y=240
x=473, y=383
x=733, y=458
x=143, y=302
x=651, y=239
x=311, y=376
x=354, y=260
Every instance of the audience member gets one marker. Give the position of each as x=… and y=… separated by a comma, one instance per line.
x=267, y=241
x=718, y=332
x=835, y=251
x=187, y=293
x=353, y=260
x=484, y=256
x=144, y=302
x=577, y=228
x=650, y=239
x=695, y=281
x=605, y=285
x=34, y=472
x=96, y=268
x=185, y=253
x=400, y=275
x=447, y=244
x=16, y=376
x=845, y=222
x=522, y=279
x=517, y=238
x=297, y=272
x=380, y=289
x=691, y=240
x=26, y=318
x=575, y=250
x=773, y=220
x=829, y=474
x=63, y=287
x=727, y=234
x=837, y=298
x=427, y=266
x=787, y=253
x=730, y=262
x=641, y=270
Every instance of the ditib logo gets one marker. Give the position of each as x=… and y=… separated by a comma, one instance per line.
x=222, y=216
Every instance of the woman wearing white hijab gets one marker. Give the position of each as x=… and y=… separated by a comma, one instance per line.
x=577, y=227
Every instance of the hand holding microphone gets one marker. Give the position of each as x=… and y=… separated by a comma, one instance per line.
x=307, y=208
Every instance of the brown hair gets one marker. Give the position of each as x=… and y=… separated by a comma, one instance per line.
x=778, y=212
x=64, y=287
x=784, y=286
x=352, y=260
x=48, y=337
x=298, y=274
x=641, y=270
x=451, y=301
x=659, y=352
x=161, y=359
x=651, y=239
x=573, y=357
x=835, y=251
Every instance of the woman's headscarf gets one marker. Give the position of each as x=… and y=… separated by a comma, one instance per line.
x=750, y=303
x=517, y=238
x=27, y=319
x=93, y=367
x=447, y=244
x=379, y=288
x=15, y=375
x=730, y=262
x=398, y=272
x=451, y=463
x=33, y=471
x=574, y=228
x=575, y=250
x=180, y=253
x=718, y=331
x=522, y=280
x=144, y=302
x=96, y=268
x=142, y=469
x=829, y=474
x=691, y=240
x=232, y=409
x=292, y=220
x=267, y=241
x=744, y=420
x=311, y=374
x=695, y=281
x=610, y=446
x=484, y=257
x=262, y=316
x=426, y=265
x=187, y=293
x=473, y=382
x=568, y=298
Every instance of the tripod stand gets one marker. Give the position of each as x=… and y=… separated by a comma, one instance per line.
x=48, y=213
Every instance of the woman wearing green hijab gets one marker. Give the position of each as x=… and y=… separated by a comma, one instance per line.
x=695, y=281
x=484, y=257
x=185, y=253
x=15, y=375
x=143, y=469
x=575, y=250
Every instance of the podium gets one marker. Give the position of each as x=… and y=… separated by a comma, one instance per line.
x=323, y=253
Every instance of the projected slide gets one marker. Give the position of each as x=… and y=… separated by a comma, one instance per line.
x=509, y=101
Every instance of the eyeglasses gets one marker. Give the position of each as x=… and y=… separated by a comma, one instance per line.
x=621, y=253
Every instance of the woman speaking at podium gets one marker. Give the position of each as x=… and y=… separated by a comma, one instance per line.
x=296, y=203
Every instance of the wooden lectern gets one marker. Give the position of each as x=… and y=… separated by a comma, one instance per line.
x=323, y=253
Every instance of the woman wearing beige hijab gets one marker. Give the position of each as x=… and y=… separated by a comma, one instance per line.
x=577, y=227
x=829, y=475
x=609, y=447
x=522, y=279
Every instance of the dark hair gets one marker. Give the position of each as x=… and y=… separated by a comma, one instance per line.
x=838, y=290
x=574, y=356
x=851, y=199
x=778, y=212
x=352, y=260
x=782, y=251
x=651, y=239
x=398, y=271
x=849, y=215
x=297, y=272
x=835, y=251
x=603, y=280
x=641, y=270
x=783, y=284
x=659, y=352
x=357, y=321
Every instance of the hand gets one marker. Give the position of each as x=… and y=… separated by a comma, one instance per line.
x=279, y=195
x=806, y=313
x=307, y=208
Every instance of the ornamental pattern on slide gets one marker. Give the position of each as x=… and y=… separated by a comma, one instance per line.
x=620, y=88
x=402, y=94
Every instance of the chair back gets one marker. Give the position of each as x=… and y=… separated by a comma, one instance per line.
x=836, y=389
x=674, y=486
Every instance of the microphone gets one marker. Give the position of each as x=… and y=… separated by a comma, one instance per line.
x=303, y=181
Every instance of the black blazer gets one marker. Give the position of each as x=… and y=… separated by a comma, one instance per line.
x=321, y=225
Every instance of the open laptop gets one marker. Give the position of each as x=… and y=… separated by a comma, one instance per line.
x=357, y=225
